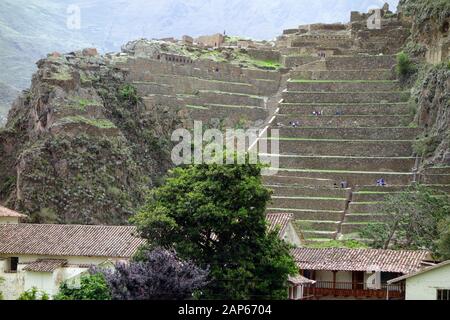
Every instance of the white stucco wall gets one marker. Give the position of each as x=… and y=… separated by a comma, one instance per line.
x=341, y=276
x=17, y=283
x=424, y=286
x=291, y=236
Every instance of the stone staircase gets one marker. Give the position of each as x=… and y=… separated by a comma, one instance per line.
x=363, y=134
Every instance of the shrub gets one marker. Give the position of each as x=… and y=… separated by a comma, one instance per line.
x=425, y=147
x=405, y=66
x=158, y=275
x=1, y=293
x=34, y=294
x=129, y=93
x=92, y=287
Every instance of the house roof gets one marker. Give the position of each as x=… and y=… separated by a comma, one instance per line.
x=279, y=219
x=69, y=240
x=367, y=260
x=5, y=212
x=45, y=265
x=425, y=270
x=298, y=280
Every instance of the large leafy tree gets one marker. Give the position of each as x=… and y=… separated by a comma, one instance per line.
x=415, y=219
x=158, y=275
x=215, y=215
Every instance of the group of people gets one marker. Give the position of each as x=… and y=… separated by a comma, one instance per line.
x=344, y=184
x=317, y=113
x=322, y=54
x=294, y=124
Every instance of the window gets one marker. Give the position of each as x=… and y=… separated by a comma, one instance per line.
x=13, y=263
x=443, y=294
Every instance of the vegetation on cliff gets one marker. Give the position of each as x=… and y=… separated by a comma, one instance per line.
x=80, y=146
x=423, y=10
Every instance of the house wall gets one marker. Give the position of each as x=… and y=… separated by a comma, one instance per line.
x=424, y=286
x=341, y=276
x=291, y=236
x=16, y=283
x=9, y=220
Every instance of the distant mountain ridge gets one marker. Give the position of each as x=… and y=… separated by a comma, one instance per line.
x=29, y=29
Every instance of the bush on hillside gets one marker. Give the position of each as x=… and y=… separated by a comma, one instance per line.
x=405, y=66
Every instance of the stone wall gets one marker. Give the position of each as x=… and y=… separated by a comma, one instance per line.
x=265, y=55
x=213, y=41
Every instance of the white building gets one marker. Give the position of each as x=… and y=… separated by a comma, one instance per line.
x=286, y=230
x=44, y=256
x=432, y=283
x=8, y=216
x=341, y=273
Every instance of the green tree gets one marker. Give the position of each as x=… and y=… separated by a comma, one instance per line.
x=414, y=219
x=34, y=294
x=214, y=215
x=92, y=287
x=1, y=282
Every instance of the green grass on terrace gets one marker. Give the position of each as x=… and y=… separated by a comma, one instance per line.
x=196, y=107
x=341, y=81
x=340, y=171
x=309, y=198
x=332, y=140
x=234, y=106
x=232, y=93
x=349, y=92
x=350, y=244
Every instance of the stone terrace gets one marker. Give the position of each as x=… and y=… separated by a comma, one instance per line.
x=363, y=134
x=205, y=90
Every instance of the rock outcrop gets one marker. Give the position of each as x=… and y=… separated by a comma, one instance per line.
x=80, y=146
x=433, y=99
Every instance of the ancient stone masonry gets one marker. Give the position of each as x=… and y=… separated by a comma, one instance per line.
x=213, y=92
x=354, y=37
x=93, y=132
x=353, y=127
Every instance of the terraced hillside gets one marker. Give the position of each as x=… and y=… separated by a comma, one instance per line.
x=364, y=134
x=212, y=92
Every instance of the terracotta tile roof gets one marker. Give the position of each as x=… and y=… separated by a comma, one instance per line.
x=279, y=219
x=419, y=272
x=369, y=260
x=298, y=280
x=45, y=265
x=69, y=240
x=5, y=212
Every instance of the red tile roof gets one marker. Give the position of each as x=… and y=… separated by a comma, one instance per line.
x=69, y=240
x=45, y=265
x=281, y=220
x=5, y=212
x=369, y=260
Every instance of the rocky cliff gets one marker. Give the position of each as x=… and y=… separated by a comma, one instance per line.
x=80, y=146
x=433, y=101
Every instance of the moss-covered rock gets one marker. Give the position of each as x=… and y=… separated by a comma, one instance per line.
x=80, y=146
